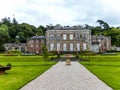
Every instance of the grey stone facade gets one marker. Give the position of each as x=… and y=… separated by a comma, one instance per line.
x=68, y=40
x=100, y=43
x=15, y=46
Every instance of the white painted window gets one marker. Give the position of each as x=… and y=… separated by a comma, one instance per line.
x=71, y=36
x=37, y=41
x=31, y=45
x=58, y=46
x=37, y=51
x=51, y=37
x=95, y=48
x=64, y=37
x=31, y=41
x=51, y=46
x=37, y=46
x=71, y=46
x=64, y=47
x=84, y=46
x=78, y=47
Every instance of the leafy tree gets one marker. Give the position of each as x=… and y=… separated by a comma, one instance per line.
x=6, y=21
x=118, y=40
x=4, y=36
x=43, y=29
x=45, y=53
x=103, y=24
x=113, y=33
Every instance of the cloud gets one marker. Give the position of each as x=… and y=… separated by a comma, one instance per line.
x=64, y=12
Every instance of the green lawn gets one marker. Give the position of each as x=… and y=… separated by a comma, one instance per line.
x=24, y=69
x=107, y=68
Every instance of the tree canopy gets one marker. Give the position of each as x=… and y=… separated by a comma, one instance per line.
x=9, y=29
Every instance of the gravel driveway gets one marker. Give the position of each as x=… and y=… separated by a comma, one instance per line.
x=62, y=77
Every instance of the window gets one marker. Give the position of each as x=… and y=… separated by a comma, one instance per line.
x=37, y=51
x=37, y=41
x=58, y=47
x=31, y=45
x=51, y=46
x=71, y=46
x=84, y=46
x=37, y=46
x=64, y=47
x=31, y=41
x=84, y=36
x=78, y=47
x=77, y=37
x=64, y=36
x=58, y=37
x=71, y=36
x=51, y=37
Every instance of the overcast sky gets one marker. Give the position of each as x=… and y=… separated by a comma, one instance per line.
x=64, y=12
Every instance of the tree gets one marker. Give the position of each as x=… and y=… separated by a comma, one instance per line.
x=6, y=21
x=103, y=24
x=43, y=29
x=118, y=40
x=45, y=53
x=4, y=36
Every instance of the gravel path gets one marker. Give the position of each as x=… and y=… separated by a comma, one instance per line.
x=62, y=77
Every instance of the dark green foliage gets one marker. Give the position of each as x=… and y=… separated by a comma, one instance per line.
x=45, y=53
x=24, y=30
x=9, y=29
x=2, y=48
x=12, y=53
x=9, y=64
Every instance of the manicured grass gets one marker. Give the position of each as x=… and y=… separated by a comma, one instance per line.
x=24, y=69
x=107, y=68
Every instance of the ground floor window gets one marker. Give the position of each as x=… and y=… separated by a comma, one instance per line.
x=84, y=46
x=51, y=46
x=71, y=46
x=64, y=47
x=78, y=47
x=58, y=46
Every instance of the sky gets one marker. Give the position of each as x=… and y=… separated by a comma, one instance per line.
x=64, y=12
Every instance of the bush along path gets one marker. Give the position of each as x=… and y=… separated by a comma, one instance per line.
x=71, y=77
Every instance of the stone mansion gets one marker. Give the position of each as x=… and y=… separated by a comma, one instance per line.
x=68, y=39
x=64, y=39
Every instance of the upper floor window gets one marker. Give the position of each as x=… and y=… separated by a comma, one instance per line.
x=64, y=37
x=71, y=36
x=37, y=41
x=37, y=46
x=51, y=37
x=77, y=37
x=31, y=41
x=58, y=37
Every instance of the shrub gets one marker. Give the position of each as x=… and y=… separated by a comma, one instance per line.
x=8, y=64
x=13, y=53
